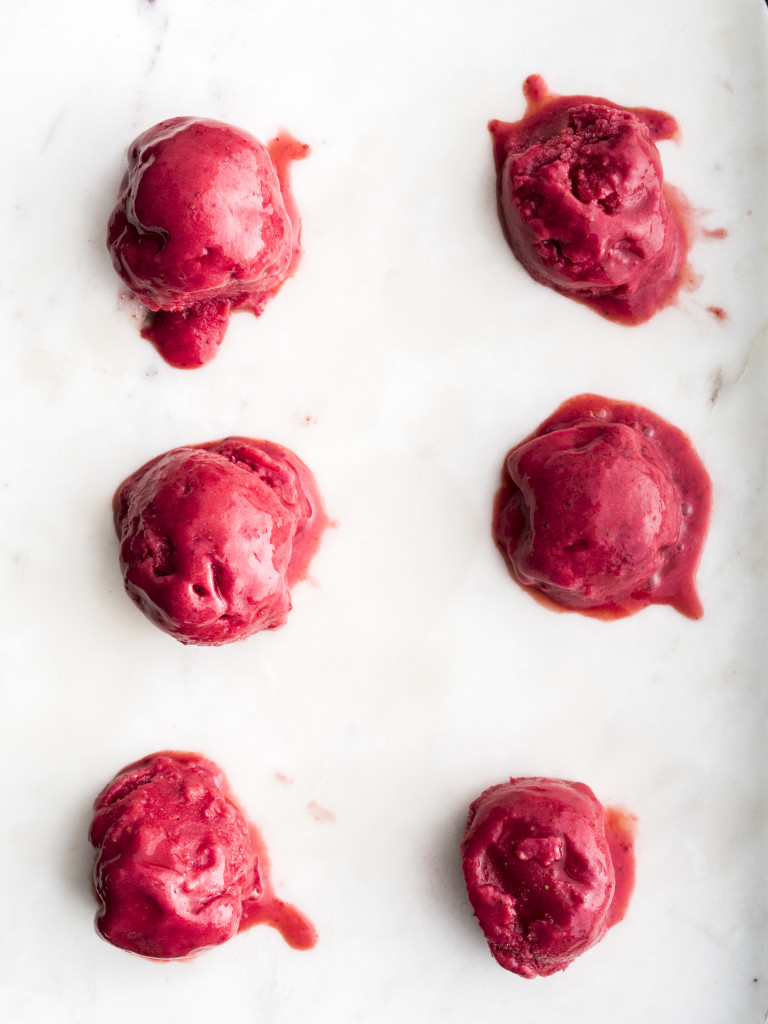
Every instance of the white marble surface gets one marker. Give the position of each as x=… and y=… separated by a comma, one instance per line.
x=405, y=357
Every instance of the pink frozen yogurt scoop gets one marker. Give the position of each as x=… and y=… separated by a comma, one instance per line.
x=204, y=224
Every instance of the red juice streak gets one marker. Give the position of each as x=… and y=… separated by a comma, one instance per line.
x=620, y=829
x=283, y=150
x=265, y=908
x=670, y=577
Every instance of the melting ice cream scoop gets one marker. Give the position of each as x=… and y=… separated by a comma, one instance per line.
x=213, y=537
x=204, y=224
x=584, y=205
x=604, y=509
x=540, y=860
x=178, y=868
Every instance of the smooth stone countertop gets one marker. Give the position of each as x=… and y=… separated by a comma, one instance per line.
x=403, y=360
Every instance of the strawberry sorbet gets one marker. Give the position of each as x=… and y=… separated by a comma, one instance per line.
x=213, y=536
x=204, y=224
x=604, y=510
x=178, y=868
x=538, y=861
x=583, y=201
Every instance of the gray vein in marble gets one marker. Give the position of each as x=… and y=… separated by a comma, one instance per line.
x=154, y=58
x=157, y=50
x=52, y=130
x=720, y=384
x=717, y=383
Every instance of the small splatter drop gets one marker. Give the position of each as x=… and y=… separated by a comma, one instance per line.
x=320, y=813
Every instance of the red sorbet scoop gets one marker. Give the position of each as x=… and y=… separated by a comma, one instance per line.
x=204, y=223
x=583, y=203
x=537, y=856
x=213, y=536
x=605, y=509
x=178, y=868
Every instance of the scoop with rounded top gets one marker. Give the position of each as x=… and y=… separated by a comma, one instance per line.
x=204, y=223
x=605, y=509
x=539, y=872
x=213, y=536
x=582, y=197
x=602, y=511
x=175, y=862
x=178, y=867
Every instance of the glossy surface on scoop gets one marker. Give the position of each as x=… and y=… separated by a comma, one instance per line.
x=174, y=862
x=537, y=864
x=605, y=509
x=213, y=536
x=583, y=202
x=178, y=868
x=204, y=223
